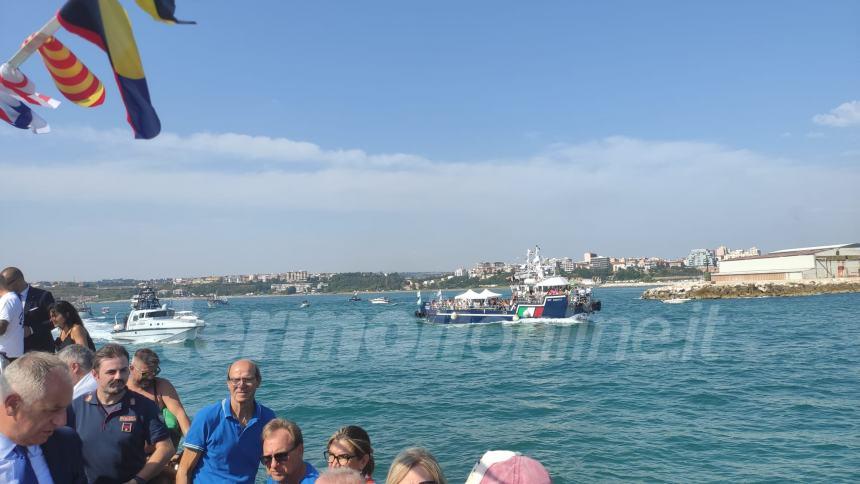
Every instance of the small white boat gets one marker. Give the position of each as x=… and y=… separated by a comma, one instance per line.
x=380, y=300
x=105, y=310
x=677, y=300
x=84, y=309
x=305, y=304
x=151, y=322
x=214, y=301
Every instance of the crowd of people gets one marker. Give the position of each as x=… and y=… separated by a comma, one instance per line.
x=74, y=414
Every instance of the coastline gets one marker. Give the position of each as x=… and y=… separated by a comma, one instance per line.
x=742, y=290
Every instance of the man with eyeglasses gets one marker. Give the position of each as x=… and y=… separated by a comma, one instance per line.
x=37, y=318
x=224, y=443
x=283, y=454
x=145, y=366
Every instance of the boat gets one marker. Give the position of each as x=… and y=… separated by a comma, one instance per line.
x=105, y=310
x=677, y=300
x=354, y=297
x=536, y=293
x=84, y=309
x=380, y=300
x=305, y=304
x=152, y=322
x=213, y=301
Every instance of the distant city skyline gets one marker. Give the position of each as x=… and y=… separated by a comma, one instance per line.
x=421, y=137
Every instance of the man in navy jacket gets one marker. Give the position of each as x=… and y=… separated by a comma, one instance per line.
x=35, y=391
x=37, y=319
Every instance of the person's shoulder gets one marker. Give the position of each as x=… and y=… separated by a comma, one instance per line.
x=209, y=413
x=163, y=385
x=311, y=474
x=141, y=403
x=64, y=437
x=266, y=413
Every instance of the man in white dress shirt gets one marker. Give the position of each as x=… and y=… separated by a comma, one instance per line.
x=79, y=359
x=11, y=324
x=34, y=393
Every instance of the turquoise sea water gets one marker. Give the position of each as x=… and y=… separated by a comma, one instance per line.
x=753, y=390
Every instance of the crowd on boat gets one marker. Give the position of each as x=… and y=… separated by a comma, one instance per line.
x=74, y=414
x=490, y=300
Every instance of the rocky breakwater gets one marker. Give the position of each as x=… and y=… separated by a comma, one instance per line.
x=726, y=290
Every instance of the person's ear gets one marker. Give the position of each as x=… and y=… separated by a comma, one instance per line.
x=12, y=404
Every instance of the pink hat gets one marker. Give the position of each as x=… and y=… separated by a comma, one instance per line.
x=506, y=467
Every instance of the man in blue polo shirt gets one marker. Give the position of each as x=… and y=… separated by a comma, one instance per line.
x=115, y=424
x=224, y=443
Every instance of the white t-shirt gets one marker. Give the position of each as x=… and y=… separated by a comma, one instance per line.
x=85, y=385
x=11, y=309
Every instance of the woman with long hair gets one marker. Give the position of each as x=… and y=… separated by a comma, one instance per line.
x=350, y=447
x=72, y=331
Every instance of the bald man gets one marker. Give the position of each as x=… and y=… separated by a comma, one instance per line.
x=37, y=319
x=224, y=443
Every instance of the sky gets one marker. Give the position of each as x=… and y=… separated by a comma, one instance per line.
x=423, y=136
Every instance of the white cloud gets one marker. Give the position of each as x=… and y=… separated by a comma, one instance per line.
x=846, y=114
x=611, y=194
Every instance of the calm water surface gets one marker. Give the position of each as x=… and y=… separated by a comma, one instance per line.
x=754, y=390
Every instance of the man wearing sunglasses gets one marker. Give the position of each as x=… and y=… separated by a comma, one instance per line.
x=224, y=442
x=283, y=454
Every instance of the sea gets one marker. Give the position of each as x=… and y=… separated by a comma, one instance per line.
x=761, y=390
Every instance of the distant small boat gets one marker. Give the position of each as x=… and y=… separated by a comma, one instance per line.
x=305, y=304
x=105, y=310
x=355, y=297
x=214, y=301
x=677, y=300
x=84, y=309
x=380, y=300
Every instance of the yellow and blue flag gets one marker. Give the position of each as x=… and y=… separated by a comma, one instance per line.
x=105, y=23
x=162, y=10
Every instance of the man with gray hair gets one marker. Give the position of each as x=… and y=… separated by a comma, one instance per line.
x=35, y=391
x=79, y=360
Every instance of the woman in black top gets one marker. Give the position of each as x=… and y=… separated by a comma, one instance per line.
x=72, y=330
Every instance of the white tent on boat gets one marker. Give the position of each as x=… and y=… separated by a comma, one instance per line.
x=487, y=294
x=553, y=282
x=469, y=295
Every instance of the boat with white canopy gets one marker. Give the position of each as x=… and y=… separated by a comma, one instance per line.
x=535, y=294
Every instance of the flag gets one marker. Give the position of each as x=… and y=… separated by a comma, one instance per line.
x=105, y=23
x=23, y=88
x=71, y=76
x=19, y=115
x=162, y=10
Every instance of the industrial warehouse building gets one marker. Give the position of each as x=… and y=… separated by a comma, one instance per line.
x=826, y=262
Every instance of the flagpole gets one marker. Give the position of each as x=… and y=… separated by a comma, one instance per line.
x=35, y=42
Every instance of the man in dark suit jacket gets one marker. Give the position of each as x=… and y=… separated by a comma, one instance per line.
x=36, y=394
x=37, y=319
x=63, y=454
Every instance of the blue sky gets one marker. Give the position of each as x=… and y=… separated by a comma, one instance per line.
x=334, y=136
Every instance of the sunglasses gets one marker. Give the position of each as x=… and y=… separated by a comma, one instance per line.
x=280, y=457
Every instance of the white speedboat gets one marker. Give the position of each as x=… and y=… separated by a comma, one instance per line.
x=380, y=300
x=677, y=300
x=305, y=304
x=151, y=322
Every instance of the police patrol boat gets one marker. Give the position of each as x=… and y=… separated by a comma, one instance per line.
x=535, y=294
x=152, y=322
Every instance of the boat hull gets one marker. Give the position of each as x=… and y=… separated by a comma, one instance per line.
x=156, y=335
x=554, y=307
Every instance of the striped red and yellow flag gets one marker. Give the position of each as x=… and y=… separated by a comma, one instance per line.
x=77, y=83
